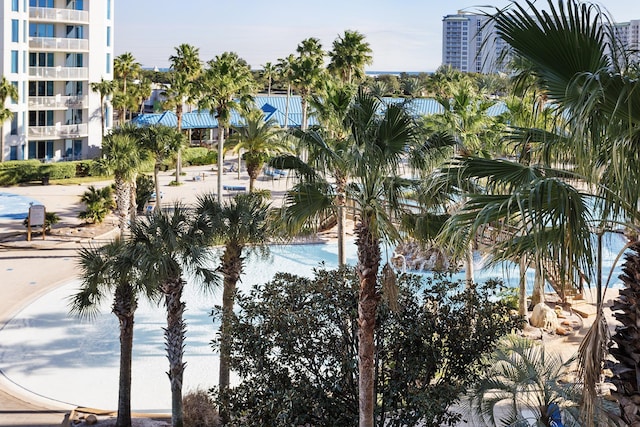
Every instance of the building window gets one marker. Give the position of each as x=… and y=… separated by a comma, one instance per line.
x=41, y=3
x=41, y=30
x=15, y=84
x=108, y=9
x=75, y=31
x=108, y=36
x=14, y=124
x=13, y=154
x=41, y=118
x=108, y=63
x=14, y=5
x=40, y=88
x=24, y=30
x=15, y=30
x=14, y=61
x=73, y=60
x=73, y=149
x=75, y=4
x=40, y=149
x=40, y=59
x=73, y=88
x=73, y=117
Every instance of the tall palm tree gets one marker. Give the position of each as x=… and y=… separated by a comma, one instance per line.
x=584, y=73
x=7, y=90
x=260, y=140
x=380, y=137
x=161, y=142
x=109, y=271
x=349, y=56
x=229, y=84
x=125, y=69
x=268, y=71
x=122, y=157
x=307, y=71
x=187, y=68
x=328, y=158
x=105, y=88
x=284, y=67
x=241, y=226
x=169, y=245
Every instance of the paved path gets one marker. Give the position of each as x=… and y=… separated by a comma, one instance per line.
x=30, y=269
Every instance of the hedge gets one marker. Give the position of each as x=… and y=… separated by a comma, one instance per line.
x=20, y=171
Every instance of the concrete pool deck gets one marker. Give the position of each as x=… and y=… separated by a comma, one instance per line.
x=31, y=269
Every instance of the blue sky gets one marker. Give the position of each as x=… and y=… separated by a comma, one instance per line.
x=405, y=35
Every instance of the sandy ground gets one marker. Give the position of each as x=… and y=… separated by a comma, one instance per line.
x=30, y=269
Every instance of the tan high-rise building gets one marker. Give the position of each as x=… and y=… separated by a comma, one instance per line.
x=51, y=51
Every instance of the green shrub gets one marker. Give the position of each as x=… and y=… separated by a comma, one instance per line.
x=60, y=170
x=83, y=168
x=294, y=344
x=17, y=171
x=209, y=159
x=99, y=203
x=191, y=153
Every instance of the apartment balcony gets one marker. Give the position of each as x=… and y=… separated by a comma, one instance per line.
x=48, y=14
x=58, y=132
x=57, y=102
x=58, y=73
x=59, y=44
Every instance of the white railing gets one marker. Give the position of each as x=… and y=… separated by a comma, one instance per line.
x=58, y=15
x=59, y=73
x=58, y=131
x=57, y=102
x=57, y=43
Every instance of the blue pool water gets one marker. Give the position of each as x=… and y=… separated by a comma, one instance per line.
x=46, y=351
x=14, y=206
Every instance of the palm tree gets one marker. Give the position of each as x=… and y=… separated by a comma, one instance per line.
x=380, y=137
x=122, y=157
x=106, y=271
x=125, y=68
x=229, y=84
x=168, y=246
x=524, y=377
x=349, y=56
x=260, y=139
x=284, y=68
x=242, y=226
x=579, y=66
x=187, y=68
x=7, y=90
x=268, y=72
x=161, y=142
x=307, y=71
x=105, y=88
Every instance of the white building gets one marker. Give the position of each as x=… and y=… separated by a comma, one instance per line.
x=51, y=51
x=469, y=43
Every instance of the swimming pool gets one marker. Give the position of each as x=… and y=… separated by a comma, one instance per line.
x=50, y=353
x=14, y=206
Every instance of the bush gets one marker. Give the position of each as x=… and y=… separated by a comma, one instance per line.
x=83, y=168
x=99, y=203
x=17, y=171
x=191, y=153
x=209, y=159
x=199, y=410
x=295, y=348
x=60, y=170
x=50, y=218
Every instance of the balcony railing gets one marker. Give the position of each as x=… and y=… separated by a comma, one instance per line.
x=57, y=102
x=59, y=73
x=61, y=131
x=57, y=43
x=58, y=15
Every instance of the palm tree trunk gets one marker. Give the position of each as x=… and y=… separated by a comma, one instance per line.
x=221, y=130
x=367, y=269
x=522, y=289
x=174, y=337
x=538, y=285
x=156, y=171
x=123, y=200
x=133, y=205
x=179, y=159
x=124, y=386
x=231, y=269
